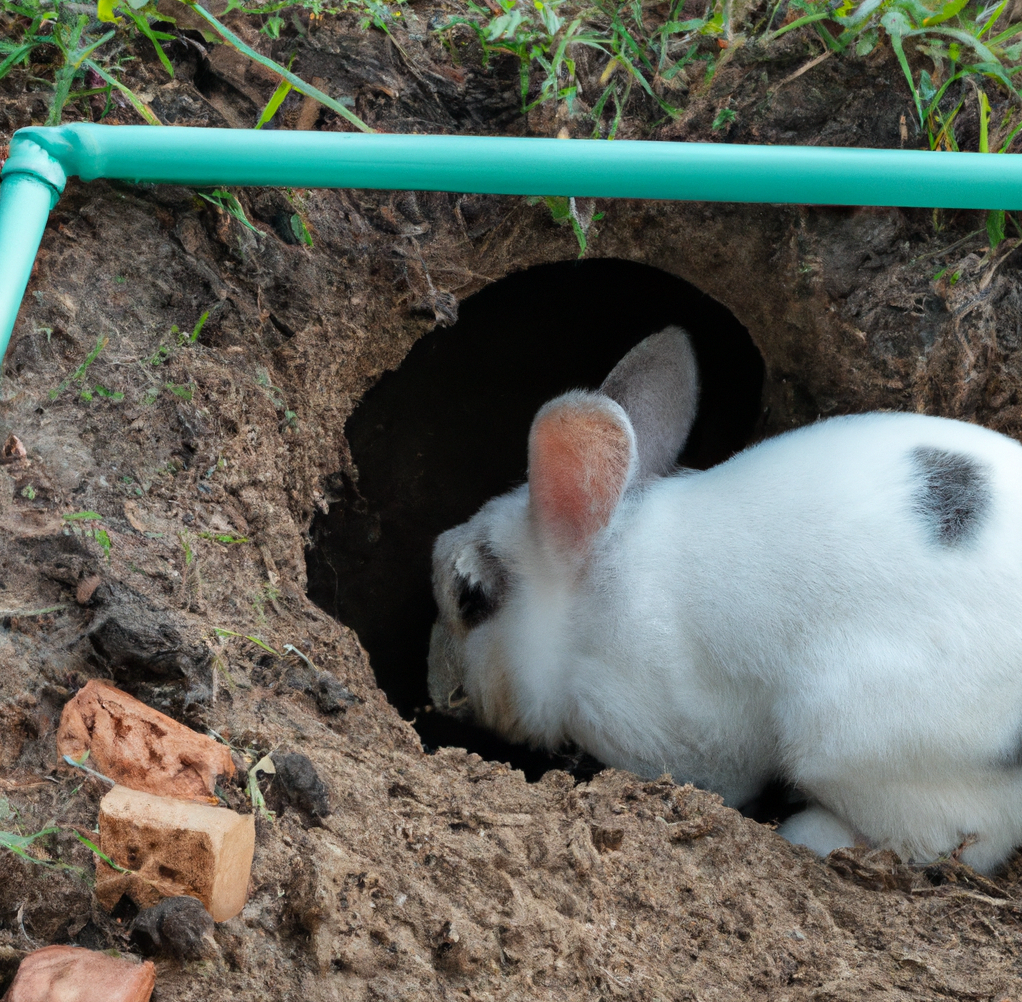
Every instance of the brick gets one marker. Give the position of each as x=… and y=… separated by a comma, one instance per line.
x=174, y=847
x=139, y=747
x=71, y=974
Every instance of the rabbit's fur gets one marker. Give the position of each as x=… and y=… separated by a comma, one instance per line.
x=840, y=606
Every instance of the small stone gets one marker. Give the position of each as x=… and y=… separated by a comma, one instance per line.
x=180, y=927
x=13, y=450
x=173, y=848
x=72, y=974
x=87, y=588
x=139, y=747
x=331, y=696
x=301, y=784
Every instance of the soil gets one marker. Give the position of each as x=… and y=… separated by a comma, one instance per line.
x=231, y=493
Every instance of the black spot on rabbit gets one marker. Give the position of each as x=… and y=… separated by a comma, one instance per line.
x=481, y=581
x=953, y=495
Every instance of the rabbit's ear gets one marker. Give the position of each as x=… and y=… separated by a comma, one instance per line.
x=657, y=383
x=581, y=459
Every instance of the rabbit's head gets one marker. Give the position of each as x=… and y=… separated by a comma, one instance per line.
x=501, y=579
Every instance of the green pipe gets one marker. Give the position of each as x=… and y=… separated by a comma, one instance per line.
x=619, y=169
x=32, y=183
x=715, y=172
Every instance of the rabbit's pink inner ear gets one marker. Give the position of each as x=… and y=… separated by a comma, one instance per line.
x=580, y=459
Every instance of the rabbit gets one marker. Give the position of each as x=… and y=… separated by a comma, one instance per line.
x=839, y=607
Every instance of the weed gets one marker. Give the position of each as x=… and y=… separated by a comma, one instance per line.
x=222, y=537
x=96, y=532
x=255, y=640
x=78, y=37
x=546, y=37
x=285, y=74
x=300, y=230
x=78, y=376
x=183, y=391
x=723, y=118
x=189, y=553
x=28, y=491
x=19, y=845
x=276, y=100
x=163, y=352
x=226, y=202
x=95, y=42
x=276, y=397
x=957, y=36
x=564, y=209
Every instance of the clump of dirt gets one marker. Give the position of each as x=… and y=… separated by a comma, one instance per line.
x=207, y=461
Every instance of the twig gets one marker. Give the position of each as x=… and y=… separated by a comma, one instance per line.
x=804, y=69
x=92, y=772
x=985, y=899
x=991, y=271
x=294, y=650
x=8, y=613
x=949, y=248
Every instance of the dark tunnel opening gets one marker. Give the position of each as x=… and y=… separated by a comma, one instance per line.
x=436, y=438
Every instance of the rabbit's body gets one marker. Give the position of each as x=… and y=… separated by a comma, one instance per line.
x=840, y=606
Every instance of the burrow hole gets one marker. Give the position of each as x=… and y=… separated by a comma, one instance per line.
x=447, y=430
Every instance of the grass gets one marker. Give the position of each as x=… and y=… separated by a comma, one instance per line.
x=969, y=46
x=24, y=846
x=593, y=59
x=77, y=378
x=547, y=38
x=78, y=524
x=93, y=51
x=639, y=52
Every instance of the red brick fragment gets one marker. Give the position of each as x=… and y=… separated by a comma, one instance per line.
x=71, y=974
x=174, y=847
x=139, y=747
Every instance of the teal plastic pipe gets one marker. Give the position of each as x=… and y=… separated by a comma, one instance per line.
x=582, y=167
x=619, y=169
x=32, y=183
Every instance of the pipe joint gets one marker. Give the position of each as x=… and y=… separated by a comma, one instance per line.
x=29, y=158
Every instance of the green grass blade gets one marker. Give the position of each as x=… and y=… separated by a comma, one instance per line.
x=1011, y=137
x=83, y=54
x=126, y=91
x=296, y=82
x=895, y=23
x=273, y=105
x=798, y=23
x=992, y=20
x=89, y=844
x=984, y=123
x=16, y=56
x=998, y=40
x=959, y=35
x=143, y=25
x=948, y=11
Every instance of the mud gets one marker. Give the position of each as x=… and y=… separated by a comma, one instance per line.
x=448, y=873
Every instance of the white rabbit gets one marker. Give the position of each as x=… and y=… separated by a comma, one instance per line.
x=840, y=607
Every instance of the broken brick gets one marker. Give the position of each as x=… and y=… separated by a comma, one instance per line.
x=139, y=747
x=173, y=847
x=72, y=974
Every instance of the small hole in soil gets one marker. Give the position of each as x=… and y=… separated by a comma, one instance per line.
x=447, y=430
